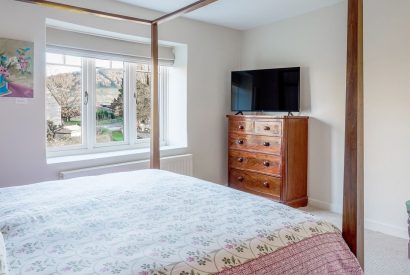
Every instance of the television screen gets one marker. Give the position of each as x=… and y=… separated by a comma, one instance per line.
x=271, y=90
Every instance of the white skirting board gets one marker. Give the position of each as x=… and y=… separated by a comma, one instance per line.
x=181, y=164
x=392, y=230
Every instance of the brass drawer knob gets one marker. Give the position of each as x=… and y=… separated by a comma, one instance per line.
x=266, y=163
x=240, y=159
x=241, y=127
x=240, y=141
x=266, y=184
x=267, y=144
x=240, y=178
x=266, y=128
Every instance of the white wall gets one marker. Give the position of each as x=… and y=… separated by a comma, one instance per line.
x=317, y=42
x=387, y=114
x=212, y=53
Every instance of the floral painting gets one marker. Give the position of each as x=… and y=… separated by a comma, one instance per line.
x=16, y=68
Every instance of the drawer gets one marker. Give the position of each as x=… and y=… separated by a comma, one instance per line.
x=255, y=183
x=266, y=144
x=241, y=126
x=269, y=164
x=268, y=128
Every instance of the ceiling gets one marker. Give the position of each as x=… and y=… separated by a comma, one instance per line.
x=239, y=14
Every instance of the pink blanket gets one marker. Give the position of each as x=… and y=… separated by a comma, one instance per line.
x=320, y=254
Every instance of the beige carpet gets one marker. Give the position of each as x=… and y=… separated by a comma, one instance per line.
x=384, y=254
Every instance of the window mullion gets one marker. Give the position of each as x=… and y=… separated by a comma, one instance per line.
x=91, y=120
x=84, y=104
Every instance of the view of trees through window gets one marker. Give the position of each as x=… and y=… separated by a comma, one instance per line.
x=67, y=100
x=143, y=100
x=109, y=101
x=64, y=100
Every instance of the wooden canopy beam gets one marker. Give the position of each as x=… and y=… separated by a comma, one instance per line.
x=160, y=20
x=353, y=195
x=86, y=11
x=182, y=11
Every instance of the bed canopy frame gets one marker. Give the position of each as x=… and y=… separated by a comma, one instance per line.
x=353, y=227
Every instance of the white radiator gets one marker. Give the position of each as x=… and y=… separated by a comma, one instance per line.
x=181, y=164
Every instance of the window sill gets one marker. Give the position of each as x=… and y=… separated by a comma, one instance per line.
x=140, y=153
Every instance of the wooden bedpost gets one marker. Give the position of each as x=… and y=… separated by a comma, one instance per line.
x=353, y=206
x=155, y=149
x=155, y=136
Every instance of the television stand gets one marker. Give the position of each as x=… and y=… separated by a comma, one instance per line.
x=239, y=113
x=290, y=114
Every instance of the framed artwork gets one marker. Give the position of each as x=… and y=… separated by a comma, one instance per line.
x=16, y=68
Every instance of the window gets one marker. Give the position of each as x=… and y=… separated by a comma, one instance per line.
x=109, y=101
x=99, y=104
x=64, y=101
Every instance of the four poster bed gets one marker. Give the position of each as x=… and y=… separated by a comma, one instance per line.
x=156, y=222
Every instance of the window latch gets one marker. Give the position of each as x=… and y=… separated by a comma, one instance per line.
x=85, y=98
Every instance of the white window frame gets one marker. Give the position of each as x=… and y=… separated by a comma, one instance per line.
x=88, y=114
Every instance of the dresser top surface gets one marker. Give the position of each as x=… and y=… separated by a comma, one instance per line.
x=264, y=117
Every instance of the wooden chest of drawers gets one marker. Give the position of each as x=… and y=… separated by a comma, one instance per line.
x=268, y=157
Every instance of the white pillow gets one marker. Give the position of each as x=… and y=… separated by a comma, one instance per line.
x=3, y=265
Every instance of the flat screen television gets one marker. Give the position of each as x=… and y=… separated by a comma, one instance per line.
x=269, y=90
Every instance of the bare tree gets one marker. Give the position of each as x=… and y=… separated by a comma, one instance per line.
x=66, y=90
x=117, y=104
x=143, y=98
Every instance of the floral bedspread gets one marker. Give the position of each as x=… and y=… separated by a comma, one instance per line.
x=143, y=222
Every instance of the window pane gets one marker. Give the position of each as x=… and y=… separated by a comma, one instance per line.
x=63, y=105
x=109, y=105
x=55, y=58
x=117, y=64
x=100, y=63
x=73, y=60
x=143, y=101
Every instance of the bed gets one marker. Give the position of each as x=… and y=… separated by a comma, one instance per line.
x=353, y=185
x=156, y=222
